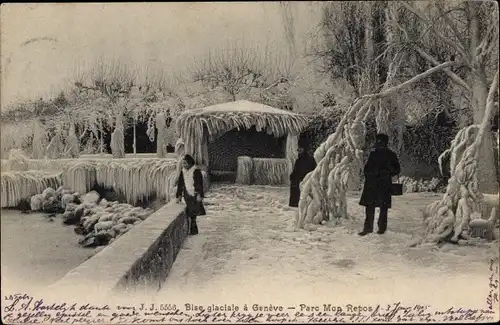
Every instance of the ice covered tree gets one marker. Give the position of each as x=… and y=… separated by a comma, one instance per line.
x=56, y=148
x=117, y=138
x=239, y=71
x=157, y=101
x=161, y=142
x=449, y=218
x=39, y=140
x=72, y=142
x=356, y=43
x=102, y=93
x=323, y=191
x=469, y=30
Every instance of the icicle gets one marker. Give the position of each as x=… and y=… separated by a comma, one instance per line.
x=55, y=147
x=292, y=144
x=135, y=134
x=17, y=160
x=161, y=139
x=244, y=171
x=39, y=140
x=73, y=143
x=17, y=186
x=269, y=171
x=117, y=139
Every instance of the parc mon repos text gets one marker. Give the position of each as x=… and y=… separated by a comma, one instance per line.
x=277, y=308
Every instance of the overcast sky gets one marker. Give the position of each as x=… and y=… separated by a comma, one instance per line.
x=42, y=44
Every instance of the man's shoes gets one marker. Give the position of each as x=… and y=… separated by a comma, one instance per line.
x=364, y=233
x=381, y=232
x=194, y=229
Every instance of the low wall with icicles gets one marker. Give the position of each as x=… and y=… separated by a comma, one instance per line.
x=136, y=178
x=16, y=186
x=262, y=171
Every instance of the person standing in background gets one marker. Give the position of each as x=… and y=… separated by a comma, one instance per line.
x=381, y=166
x=303, y=165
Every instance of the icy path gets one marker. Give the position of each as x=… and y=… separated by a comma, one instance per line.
x=248, y=252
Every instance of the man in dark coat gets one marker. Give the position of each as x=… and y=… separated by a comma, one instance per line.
x=381, y=166
x=303, y=165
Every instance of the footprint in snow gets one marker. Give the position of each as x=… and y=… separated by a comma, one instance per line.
x=344, y=263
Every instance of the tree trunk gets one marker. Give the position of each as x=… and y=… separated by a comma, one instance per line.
x=117, y=139
x=368, y=34
x=396, y=113
x=382, y=118
x=292, y=143
x=39, y=141
x=486, y=163
x=397, y=138
x=161, y=145
x=288, y=24
x=73, y=143
x=135, y=136
x=102, y=138
x=479, y=85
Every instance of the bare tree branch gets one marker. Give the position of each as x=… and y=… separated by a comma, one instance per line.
x=490, y=103
x=454, y=77
x=392, y=70
x=445, y=15
x=394, y=19
x=417, y=78
x=238, y=69
x=446, y=40
x=489, y=41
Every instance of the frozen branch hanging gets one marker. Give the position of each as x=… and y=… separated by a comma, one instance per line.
x=179, y=151
x=383, y=114
x=72, y=143
x=323, y=191
x=39, y=140
x=161, y=138
x=151, y=128
x=117, y=138
x=449, y=218
x=56, y=146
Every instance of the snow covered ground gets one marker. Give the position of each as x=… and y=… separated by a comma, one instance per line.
x=248, y=252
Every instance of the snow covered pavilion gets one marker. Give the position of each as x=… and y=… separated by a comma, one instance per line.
x=218, y=135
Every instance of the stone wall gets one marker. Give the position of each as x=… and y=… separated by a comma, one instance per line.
x=152, y=268
x=138, y=261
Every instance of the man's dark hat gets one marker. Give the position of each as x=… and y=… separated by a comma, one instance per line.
x=303, y=144
x=382, y=137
